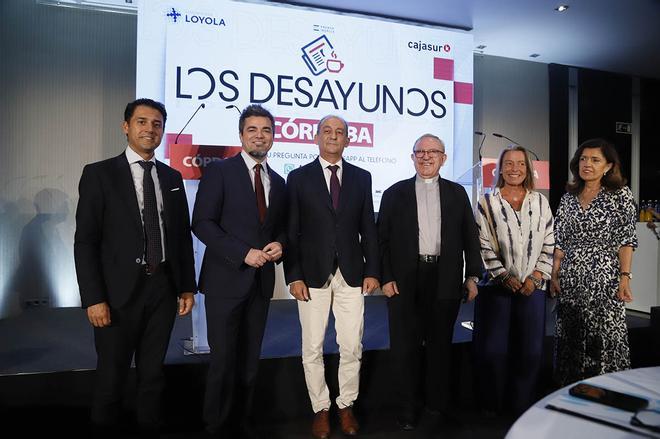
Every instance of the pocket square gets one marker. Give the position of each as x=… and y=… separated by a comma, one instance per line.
x=175, y=189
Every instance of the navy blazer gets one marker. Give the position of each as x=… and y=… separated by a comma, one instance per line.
x=226, y=220
x=109, y=240
x=398, y=236
x=317, y=234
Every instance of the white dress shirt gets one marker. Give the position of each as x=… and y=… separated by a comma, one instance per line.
x=138, y=175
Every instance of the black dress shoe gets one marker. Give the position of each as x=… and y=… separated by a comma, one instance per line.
x=406, y=421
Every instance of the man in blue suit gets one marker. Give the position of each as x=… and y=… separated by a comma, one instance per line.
x=239, y=216
x=332, y=259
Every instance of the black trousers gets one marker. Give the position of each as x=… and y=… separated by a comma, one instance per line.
x=141, y=329
x=235, y=330
x=421, y=330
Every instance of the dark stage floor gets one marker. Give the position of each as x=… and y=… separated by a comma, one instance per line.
x=47, y=360
x=61, y=339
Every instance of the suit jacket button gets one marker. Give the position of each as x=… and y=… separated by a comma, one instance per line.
x=138, y=261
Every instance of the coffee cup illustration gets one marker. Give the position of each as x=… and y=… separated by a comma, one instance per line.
x=334, y=65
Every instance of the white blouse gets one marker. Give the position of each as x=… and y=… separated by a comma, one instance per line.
x=517, y=242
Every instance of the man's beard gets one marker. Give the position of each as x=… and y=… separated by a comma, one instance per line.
x=258, y=154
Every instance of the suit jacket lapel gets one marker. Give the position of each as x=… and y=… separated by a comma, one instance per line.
x=445, y=210
x=410, y=208
x=165, y=187
x=244, y=184
x=322, y=186
x=347, y=181
x=126, y=189
x=273, y=195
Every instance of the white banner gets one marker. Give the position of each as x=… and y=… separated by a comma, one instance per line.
x=392, y=82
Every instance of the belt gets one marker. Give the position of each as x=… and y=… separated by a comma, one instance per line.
x=431, y=259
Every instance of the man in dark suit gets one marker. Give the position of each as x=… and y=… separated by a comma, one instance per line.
x=134, y=256
x=239, y=215
x=425, y=230
x=332, y=259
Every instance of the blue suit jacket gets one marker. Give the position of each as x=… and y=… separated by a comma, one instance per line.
x=226, y=220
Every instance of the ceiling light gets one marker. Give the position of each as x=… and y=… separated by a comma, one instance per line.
x=561, y=8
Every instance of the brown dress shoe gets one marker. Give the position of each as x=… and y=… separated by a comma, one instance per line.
x=321, y=425
x=349, y=425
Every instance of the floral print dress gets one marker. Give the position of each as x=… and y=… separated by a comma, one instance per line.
x=591, y=335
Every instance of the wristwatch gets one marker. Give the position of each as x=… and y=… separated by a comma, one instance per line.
x=626, y=274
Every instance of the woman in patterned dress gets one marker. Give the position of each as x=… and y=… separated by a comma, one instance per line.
x=516, y=237
x=595, y=237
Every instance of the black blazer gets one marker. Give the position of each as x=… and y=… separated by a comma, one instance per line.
x=109, y=239
x=316, y=233
x=226, y=220
x=398, y=237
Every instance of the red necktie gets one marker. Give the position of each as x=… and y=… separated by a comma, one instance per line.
x=259, y=191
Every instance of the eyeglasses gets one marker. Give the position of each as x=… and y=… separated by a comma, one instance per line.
x=419, y=153
x=649, y=419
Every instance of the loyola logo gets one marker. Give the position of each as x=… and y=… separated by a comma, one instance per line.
x=206, y=20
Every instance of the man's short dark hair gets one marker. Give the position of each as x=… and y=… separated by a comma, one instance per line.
x=131, y=106
x=254, y=110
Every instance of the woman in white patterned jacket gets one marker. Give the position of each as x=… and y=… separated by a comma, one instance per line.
x=517, y=242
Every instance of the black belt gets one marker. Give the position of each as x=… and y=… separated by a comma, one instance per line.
x=429, y=259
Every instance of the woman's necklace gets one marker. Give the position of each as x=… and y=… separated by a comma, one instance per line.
x=587, y=195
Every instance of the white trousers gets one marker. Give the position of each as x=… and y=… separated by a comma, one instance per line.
x=347, y=305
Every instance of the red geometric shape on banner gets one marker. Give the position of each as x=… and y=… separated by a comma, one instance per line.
x=463, y=93
x=443, y=69
x=184, y=139
x=191, y=160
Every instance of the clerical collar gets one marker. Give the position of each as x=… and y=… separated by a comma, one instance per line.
x=420, y=179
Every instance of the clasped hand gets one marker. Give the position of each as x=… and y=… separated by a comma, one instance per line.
x=258, y=258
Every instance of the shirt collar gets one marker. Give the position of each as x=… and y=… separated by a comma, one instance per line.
x=250, y=162
x=422, y=180
x=134, y=157
x=325, y=163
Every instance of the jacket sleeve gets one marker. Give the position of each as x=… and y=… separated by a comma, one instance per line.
x=292, y=265
x=87, y=240
x=187, y=256
x=369, y=235
x=384, y=232
x=207, y=219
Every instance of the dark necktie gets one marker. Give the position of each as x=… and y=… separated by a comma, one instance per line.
x=259, y=191
x=334, y=186
x=154, y=249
